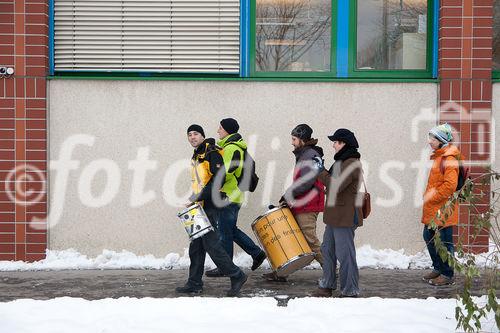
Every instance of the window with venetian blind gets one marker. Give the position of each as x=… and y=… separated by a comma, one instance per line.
x=184, y=36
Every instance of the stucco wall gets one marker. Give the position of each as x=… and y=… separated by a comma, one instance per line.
x=123, y=116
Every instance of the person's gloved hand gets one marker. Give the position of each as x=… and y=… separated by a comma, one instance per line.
x=319, y=163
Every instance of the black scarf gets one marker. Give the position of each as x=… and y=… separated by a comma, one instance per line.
x=346, y=153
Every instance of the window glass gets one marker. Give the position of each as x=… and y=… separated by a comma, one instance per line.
x=391, y=34
x=293, y=35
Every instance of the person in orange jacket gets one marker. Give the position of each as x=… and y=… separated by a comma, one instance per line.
x=442, y=184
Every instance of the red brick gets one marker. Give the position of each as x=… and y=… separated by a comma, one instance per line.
x=37, y=29
x=40, y=207
x=450, y=32
x=7, y=123
x=444, y=90
x=19, y=87
x=466, y=90
x=30, y=88
x=481, y=42
x=36, y=71
x=6, y=18
x=487, y=91
x=482, y=63
x=7, y=134
x=36, y=124
x=7, y=155
x=7, y=8
x=449, y=43
x=40, y=217
x=483, y=11
x=38, y=61
x=7, y=238
x=37, y=50
x=6, y=256
x=447, y=22
x=452, y=12
x=34, y=257
x=41, y=88
x=7, y=49
x=9, y=87
x=35, y=103
x=35, y=155
x=36, y=248
x=36, y=238
x=7, y=227
x=37, y=9
x=36, y=40
x=7, y=38
x=36, y=227
x=486, y=22
x=482, y=32
x=21, y=251
x=449, y=3
x=37, y=19
x=6, y=28
x=481, y=53
x=36, y=113
x=7, y=60
x=451, y=53
x=7, y=248
x=30, y=144
x=36, y=134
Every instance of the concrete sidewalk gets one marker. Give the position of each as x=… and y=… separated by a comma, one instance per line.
x=98, y=284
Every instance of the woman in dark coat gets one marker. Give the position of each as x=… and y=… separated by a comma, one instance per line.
x=342, y=216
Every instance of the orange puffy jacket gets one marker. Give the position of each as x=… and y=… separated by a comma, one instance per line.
x=441, y=186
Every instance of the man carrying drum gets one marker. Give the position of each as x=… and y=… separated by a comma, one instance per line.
x=208, y=174
x=305, y=197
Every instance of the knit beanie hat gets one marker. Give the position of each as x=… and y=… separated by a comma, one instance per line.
x=196, y=128
x=303, y=132
x=442, y=133
x=230, y=125
x=344, y=135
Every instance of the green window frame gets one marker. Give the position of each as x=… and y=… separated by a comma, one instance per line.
x=354, y=72
x=292, y=74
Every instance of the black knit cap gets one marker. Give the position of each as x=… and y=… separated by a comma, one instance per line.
x=230, y=125
x=196, y=128
x=303, y=132
x=344, y=135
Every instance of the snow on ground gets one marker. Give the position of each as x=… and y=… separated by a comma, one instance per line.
x=367, y=257
x=71, y=259
x=240, y=315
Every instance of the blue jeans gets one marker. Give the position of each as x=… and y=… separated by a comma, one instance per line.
x=446, y=235
x=229, y=232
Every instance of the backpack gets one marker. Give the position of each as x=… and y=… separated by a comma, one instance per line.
x=248, y=179
x=463, y=173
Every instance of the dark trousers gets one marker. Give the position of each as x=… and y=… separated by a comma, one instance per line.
x=229, y=232
x=446, y=235
x=209, y=243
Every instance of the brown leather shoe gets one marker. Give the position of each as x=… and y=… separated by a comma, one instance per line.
x=442, y=280
x=429, y=276
x=322, y=292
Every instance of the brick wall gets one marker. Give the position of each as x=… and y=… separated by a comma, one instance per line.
x=23, y=129
x=465, y=63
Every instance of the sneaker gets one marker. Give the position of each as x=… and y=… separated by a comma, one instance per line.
x=348, y=296
x=429, y=276
x=188, y=289
x=442, y=280
x=322, y=292
x=236, y=284
x=257, y=261
x=274, y=277
x=214, y=273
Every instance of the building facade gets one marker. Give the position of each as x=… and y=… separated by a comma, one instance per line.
x=93, y=119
